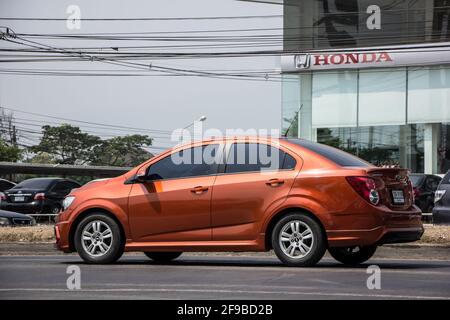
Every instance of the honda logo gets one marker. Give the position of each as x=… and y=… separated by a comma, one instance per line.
x=302, y=61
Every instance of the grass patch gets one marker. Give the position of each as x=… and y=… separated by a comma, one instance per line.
x=39, y=233
x=436, y=234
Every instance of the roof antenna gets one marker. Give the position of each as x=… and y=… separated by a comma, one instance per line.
x=292, y=121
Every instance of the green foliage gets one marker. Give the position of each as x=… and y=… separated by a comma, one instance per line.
x=9, y=153
x=124, y=151
x=66, y=144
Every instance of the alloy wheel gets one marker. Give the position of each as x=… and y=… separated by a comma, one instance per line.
x=296, y=239
x=97, y=238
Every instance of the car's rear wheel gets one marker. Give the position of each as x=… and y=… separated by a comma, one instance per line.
x=352, y=255
x=298, y=240
x=163, y=256
x=98, y=239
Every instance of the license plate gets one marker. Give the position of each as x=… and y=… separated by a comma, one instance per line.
x=19, y=199
x=398, y=197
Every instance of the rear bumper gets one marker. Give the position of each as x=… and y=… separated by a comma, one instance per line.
x=441, y=215
x=400, y=236
x=393, y=227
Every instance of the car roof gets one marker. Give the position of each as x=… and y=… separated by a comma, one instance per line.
x=7, y=181
x=52, y=179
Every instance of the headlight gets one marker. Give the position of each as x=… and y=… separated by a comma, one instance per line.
x=438, y=195
x=4, y=222
x=67, y=202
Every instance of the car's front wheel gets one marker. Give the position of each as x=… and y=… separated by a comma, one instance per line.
x=352, y=255
x=98, y=239
x=298, y=240
x=162, y=257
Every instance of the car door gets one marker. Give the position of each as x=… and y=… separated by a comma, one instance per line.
x=248, y=188
x=176, y=205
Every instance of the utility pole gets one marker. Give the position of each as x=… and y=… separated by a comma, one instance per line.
x=14, y=136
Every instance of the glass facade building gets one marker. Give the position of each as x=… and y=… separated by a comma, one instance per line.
x=397, y=114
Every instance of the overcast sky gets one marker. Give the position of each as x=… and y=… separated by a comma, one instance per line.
x=163, y=103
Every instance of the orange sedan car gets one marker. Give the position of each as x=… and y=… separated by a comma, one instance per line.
x=294, y=196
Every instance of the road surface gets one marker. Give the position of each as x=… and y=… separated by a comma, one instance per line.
x=220, y=277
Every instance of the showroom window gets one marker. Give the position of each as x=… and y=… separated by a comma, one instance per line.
x=382, y=97
x=429, y=95
x=380, y=145
x=334, y=99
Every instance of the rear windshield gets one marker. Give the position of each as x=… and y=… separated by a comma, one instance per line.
x=416, y=179
x=339, y=157
x=34, y=184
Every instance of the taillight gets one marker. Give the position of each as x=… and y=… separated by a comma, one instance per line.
x=366, y=188
x=39, y=196
x=2, y=196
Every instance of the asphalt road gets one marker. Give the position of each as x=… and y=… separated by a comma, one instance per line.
x=220, y=277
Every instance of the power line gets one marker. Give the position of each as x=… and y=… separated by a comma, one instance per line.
x=145, y=18
x=88, y=122
x=150, y=67
x=386, y=10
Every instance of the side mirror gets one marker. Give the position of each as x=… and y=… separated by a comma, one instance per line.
x=146, y=178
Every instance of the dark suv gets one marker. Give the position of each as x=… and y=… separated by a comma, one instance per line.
x=424, y=186
x=37, y=196
x=441, y=210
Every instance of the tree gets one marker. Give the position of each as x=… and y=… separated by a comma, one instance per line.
x=124, y=151
x=9, y=150
x=9, y=153
x=66, y=144
x=8, y=131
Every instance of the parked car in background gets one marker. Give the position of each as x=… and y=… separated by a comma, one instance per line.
x=441, y=210
x=295, y=196
x=37, y=196
x=14, y=219
x=6, y=185
x=424, y=186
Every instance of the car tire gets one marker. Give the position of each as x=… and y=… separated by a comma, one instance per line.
x=348, y=255
x=55, y=209
x=298, y=240
x=162, y=257
x=106, y=243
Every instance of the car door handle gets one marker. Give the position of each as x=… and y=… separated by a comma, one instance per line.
x=275, y=182
x=199, y=189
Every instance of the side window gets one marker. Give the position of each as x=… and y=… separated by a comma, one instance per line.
x=5, y=185
x=288, y=161
x=436, y=182
x=247, y=157
x=432, y=183
x=63, y=187
x=197, y=161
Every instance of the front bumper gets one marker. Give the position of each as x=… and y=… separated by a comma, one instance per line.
x=62, y=236
x=441, y=215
